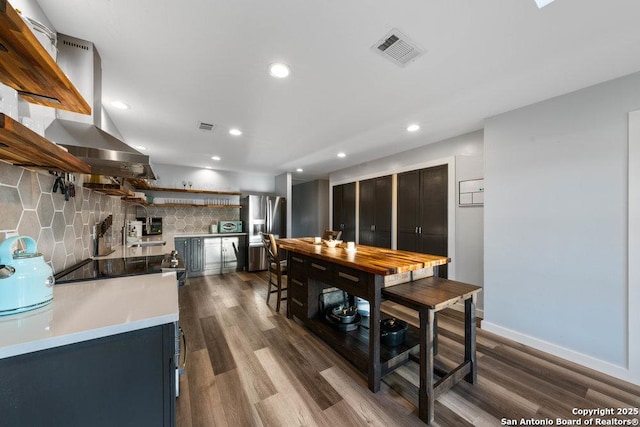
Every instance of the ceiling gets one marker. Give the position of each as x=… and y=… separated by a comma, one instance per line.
x=179, y=63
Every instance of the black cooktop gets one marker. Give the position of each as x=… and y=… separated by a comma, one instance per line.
x=90, y=269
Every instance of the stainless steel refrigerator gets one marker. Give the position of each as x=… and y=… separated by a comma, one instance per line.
x=266, y=214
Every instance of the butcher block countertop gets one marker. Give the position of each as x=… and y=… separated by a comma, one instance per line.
x=380, y=261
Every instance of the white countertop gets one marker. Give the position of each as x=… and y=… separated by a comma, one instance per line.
x=136, y=251
x=211, y=235
x=83, y=311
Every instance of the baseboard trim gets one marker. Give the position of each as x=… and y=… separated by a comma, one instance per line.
x=599, y=365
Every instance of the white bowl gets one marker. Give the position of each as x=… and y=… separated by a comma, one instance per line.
x=332, y=243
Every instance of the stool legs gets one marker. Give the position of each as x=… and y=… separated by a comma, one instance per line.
x=426, y=392
x=278, y=284
x=269, y=287
x=470, y=338
x=279, y=292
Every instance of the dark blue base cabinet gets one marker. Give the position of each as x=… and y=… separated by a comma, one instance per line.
x=126, y=379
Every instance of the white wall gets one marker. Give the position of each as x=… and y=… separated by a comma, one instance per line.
x=465, y=157
x=556, y=231
x=634, y=243
x=31, y=9
x=171, y=176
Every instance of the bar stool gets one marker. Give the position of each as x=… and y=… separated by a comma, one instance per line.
x=277, y=268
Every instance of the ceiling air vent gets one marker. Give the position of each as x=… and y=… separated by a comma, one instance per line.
x=205, y=126
x=398, y=48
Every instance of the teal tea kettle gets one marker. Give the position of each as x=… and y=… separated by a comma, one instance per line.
x=26, y=281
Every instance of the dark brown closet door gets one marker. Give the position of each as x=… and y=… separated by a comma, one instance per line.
x=433, y=212
x=408, y=210
x=367, y=212
x=375, y=212
x=382, y=232
x=422, y=211
x=344, y=210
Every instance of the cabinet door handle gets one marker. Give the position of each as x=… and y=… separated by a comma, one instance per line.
x=416, y=230
x=420, y=230
x=297, y=302
x=296, y=259
x=319, y=267
x=297, y=282
x=373, y=227
x=348, y=277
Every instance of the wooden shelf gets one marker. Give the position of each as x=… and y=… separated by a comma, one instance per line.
x=354, y=345
x=27, y=67
x=182, y=190
x=109, y=189
x=139, y=183
x=143, y=185
x=21, y=146
x=129, y=198
x=193, y=205
x=176, y=205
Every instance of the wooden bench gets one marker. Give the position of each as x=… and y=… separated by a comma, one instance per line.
x=428, y=296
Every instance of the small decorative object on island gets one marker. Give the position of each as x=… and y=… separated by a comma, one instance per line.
x=26, y=281
x=332, y=243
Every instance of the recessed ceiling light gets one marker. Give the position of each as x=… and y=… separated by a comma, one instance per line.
x=120, y=105
x=279, y=70
x=299, y=170
x=413, y=128
x=207, y=167
x=543, y=3
x=341, y=155
x=140, y=147
x=215, y=158
x=235, y=132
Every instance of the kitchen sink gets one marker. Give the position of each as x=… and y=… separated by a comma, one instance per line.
x=147, y=243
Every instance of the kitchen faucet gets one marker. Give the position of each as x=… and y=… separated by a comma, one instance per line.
x=125, y=228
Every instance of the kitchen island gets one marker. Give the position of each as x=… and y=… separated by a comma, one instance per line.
x=371, y=273
x=361, y=273
x=102, y=353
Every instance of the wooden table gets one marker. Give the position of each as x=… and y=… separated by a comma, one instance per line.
x=314, y=267
x=429, y=296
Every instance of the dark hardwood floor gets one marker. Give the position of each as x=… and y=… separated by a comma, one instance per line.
x=248, y=365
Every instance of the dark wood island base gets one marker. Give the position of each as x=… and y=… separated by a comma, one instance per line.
x=370, y=273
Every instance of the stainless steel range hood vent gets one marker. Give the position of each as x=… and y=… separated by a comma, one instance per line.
x=83, y=135
x=106, y=154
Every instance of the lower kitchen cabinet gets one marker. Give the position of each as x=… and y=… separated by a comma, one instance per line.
x=192, y=251
x=182, y=246
x=232, y=254
x=212, y=255
x=123, y=379
x=196, y=256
